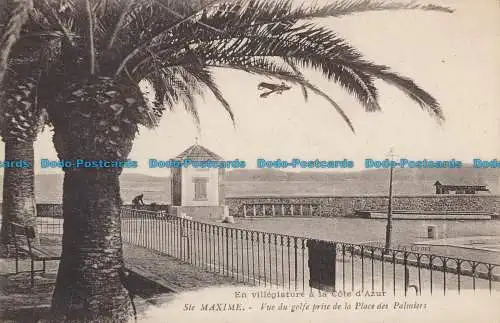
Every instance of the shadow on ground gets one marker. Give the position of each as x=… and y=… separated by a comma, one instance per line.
x=19, y=302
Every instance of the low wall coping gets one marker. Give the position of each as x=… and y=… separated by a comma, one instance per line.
x=359, y=196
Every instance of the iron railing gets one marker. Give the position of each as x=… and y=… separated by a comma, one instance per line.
x=52, y=210
x=49, y=225
x=301, y=263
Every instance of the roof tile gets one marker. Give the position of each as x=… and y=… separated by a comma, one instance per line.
x=197, y=152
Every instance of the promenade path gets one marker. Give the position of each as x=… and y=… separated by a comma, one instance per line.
x=21, y=303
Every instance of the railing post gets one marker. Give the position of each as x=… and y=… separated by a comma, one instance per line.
x=188, y=238
x=274, y=211
x=244, y=210
x=179, y=233
x=254, y=210
x=282, y=210
x=295, y=247
x=291, y=209
x=301, y=213
x=407, y=274
x=227, y=250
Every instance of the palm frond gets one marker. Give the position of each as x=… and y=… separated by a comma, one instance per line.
x=183, y=84
x=349, y=7
x=321, y=93
x=119, y=23
x=205, y=77
x=92, y=53
x=426, y=101
x=175, y=84
x=269, y=69
x=251, y=13
x=156, y=36
x=171, y=43
x=306, y=46
x=18, y=17
x=299, y=73
x=46, y=16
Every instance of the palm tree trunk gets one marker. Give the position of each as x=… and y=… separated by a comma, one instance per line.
x=88, y=286
x=18, y=191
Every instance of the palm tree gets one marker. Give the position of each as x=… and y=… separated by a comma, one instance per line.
x=20, y=122
x=96, y=106
x=21, y=118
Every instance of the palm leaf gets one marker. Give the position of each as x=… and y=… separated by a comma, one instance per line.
x=171, y=43
x=269, y=69
x=250, y=13
x=205, y=77
x=306, y=46
x=12, y=32
x=299, y=73
x=173, y=85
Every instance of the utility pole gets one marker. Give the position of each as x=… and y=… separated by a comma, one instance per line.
x=388, y=229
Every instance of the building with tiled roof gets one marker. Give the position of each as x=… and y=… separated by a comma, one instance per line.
x=197, y=152
x=459, y=188
x=198, y=192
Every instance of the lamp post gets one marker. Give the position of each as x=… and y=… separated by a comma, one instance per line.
x=388, y=229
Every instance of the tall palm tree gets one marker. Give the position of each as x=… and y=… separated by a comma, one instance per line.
x=21, y=120
x=96, y=105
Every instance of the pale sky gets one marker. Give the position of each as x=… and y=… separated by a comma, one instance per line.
x=455, y=57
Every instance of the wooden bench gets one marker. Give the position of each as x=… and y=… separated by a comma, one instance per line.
x=26, y=245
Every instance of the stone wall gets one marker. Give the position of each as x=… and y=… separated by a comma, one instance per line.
x=201, y=212
x=346, y=205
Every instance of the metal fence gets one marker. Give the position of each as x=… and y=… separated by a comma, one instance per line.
x=47, y=225
x=300, y=263
x=52, y=210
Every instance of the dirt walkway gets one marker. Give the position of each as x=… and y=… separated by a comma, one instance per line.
x=21, y=303
x=182, y=276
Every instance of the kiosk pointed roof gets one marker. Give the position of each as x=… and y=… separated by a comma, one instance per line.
x=198, y=152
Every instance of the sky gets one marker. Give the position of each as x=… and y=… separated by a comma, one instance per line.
x=454, y=56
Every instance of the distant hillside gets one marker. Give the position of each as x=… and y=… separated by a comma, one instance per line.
x=370, y=182
x=49, y=188
x=466, y=173
x=252, y=182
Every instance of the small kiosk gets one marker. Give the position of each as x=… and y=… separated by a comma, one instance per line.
x=198, y=192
